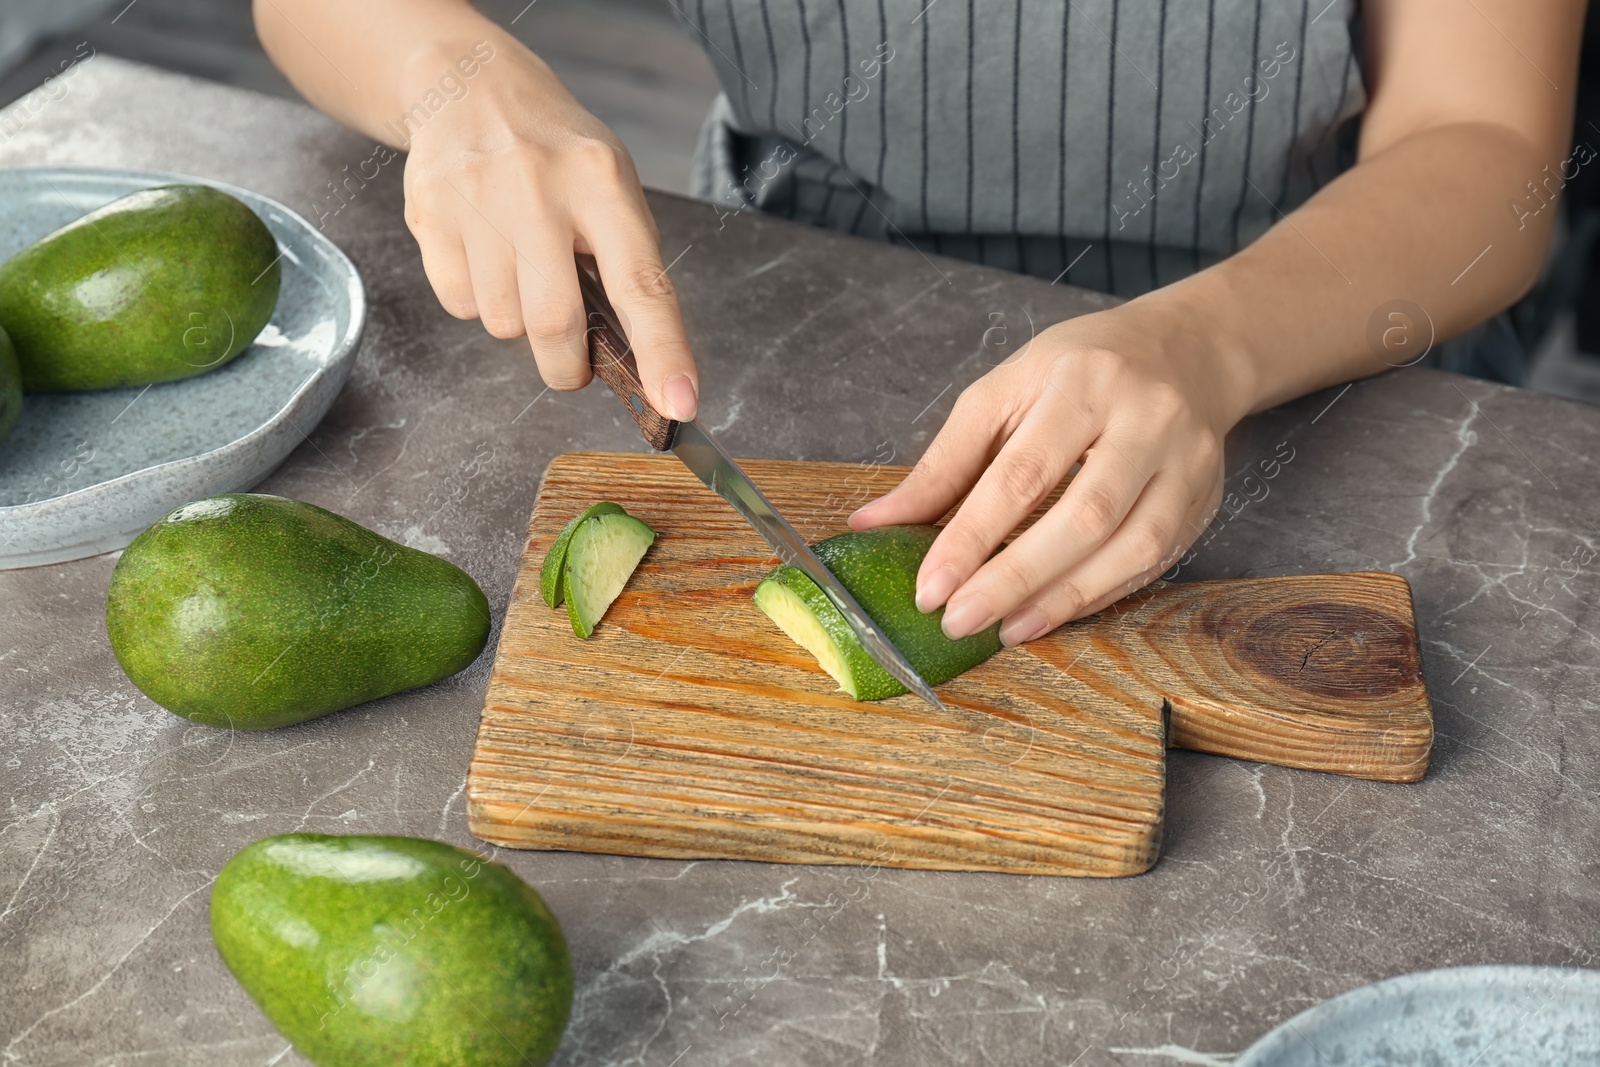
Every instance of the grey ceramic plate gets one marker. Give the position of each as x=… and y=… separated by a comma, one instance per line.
x=84, y=472
x=1460, y=1016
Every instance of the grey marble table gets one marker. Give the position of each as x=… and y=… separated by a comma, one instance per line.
x=1277, y=889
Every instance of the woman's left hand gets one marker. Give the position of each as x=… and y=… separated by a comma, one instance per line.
x=1144, y=408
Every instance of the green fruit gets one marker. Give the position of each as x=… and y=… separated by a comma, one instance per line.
x=10, y=387
x=162, y=284
x=393, y=951
x=879, y=568
x=555, y=559
x=254, y=611
x=601, y=557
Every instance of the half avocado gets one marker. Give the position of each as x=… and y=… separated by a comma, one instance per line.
x=879, y=568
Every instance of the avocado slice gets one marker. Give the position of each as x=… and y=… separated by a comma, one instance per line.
x=601, y=557
x=164, y=283
x=879, y=568
x=10, y=387
x=253, y=611
x=368, y=951
x=555, y=559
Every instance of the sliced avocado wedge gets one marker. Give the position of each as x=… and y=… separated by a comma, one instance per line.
x=804, y=612
x=555, y=559
x=601, y=557
x=879, y=567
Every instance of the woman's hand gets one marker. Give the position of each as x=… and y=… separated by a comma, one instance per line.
x=502, y=187
x=1145, y=413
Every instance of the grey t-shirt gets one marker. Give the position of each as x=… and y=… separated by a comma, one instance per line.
x=1126, y=143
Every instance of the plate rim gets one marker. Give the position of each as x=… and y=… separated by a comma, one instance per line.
x=343, y=346
x=1433, y=980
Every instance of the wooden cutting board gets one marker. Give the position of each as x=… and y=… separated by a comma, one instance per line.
x=690, y=726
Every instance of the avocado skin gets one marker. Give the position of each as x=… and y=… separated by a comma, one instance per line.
x=555, y=559
x=252, y=611
x=393, y=950
x=879, y=568
x=162, y=284
x=10, y=387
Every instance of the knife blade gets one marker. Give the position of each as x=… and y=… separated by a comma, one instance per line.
x=611, y=356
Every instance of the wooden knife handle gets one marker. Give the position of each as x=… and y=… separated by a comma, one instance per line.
x=1317, y=671
x=611, y=356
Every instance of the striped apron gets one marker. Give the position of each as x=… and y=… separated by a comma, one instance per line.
x=1115, y=144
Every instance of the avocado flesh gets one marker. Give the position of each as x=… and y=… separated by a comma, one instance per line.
x=10, y=387
x=879, y=568
x=601, y=557
x=555, y=559
x=253, y=611
x=789, y=602
x=163, y=284
x=368, y=951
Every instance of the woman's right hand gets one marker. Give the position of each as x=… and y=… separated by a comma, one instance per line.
x=503, y=186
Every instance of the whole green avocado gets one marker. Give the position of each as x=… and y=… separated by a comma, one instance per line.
x=394, y=951
x=10, y=387
x=164, y=283
x=254, y=611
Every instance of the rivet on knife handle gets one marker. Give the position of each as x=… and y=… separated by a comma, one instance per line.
x=611, y=356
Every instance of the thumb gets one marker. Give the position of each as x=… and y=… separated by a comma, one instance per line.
x=647, y=305
x=952, y=464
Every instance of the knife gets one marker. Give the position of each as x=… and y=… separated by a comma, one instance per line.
x=611, y=356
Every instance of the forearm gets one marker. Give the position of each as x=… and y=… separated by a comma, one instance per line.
x=367, y=63
x=1292, y=312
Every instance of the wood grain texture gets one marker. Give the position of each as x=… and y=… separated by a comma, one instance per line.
x=690, y=726
x=1315, y=671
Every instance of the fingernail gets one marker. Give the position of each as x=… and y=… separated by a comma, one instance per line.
x=936, y=588
x=680, y=397
x=966, y=616
x=1024, y=626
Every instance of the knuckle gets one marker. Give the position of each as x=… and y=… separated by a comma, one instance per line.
x=1095, y=512
x=1165, y=399
x=453, y=290
x=422, y=212
x=1026, y=475
x=416, y=217
x=1013, y=575
x=471, y=181
x=599, y=160
x=1066, y=599
x=971, y=394
x=563, y=382
x=458, y=307
x=530, y=162
x=966, y=400
x=1151, y=545
x=647, y=281
x=967, y=546
x=1101, y=367
x=502, y=324
x=1062, y=375
x=939, y=453
x=549, y=328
